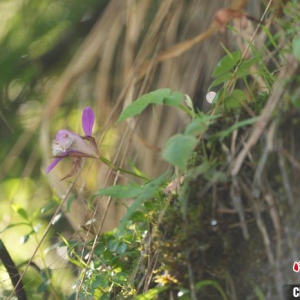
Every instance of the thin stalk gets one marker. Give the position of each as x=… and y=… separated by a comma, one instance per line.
x=116, y=168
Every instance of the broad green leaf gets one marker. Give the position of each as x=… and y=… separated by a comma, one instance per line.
x=147, y=191
x=174, y=99
x=149, y=206
x=235, y=99
x=136, y=107
x=197, y=126
x=221, y=79
x=121, y=248
x=200, y=124
x=227, y=63
x=178, y=150
x=20, y=210
x=296, y=47
x=121, y=191
x=138, y=216
x=105, y=296
x=120, y=278
x=244, y=67
x=151, y=294
x=101, y=281
x=161, y=96
x=113, y=245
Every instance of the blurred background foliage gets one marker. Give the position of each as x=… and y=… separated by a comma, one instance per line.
x=57, y=57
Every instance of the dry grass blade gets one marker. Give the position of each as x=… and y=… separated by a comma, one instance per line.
x=277, y=94
x=181, y=48
x=84, y=58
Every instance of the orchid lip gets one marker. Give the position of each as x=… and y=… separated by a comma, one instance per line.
x=67, y=141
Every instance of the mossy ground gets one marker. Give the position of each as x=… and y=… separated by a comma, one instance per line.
x=239, y=232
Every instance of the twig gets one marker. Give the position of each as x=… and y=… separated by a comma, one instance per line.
x=191, y=277
x=273, y=101
x=13, y=272
x=238, y=206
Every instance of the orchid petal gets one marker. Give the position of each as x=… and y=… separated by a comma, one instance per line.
x=53, y=164
x=88, y=119
x=81, y=146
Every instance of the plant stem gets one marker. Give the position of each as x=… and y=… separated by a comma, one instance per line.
x=116, y=168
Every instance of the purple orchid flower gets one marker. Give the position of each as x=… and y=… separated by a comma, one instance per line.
x=69, y=144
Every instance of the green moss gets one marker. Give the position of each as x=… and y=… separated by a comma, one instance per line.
x=205, y=241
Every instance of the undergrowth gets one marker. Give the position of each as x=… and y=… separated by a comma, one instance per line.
x=212, y=228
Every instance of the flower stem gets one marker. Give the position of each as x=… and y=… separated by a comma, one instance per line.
x=116, y=168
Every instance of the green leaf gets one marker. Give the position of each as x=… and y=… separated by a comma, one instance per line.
x=235, y=99
x=235, y=126
x=50, y=206
x=149, y=205
x=227, y=63
x=203, y=169
x=296, y=48
x=105, y=296
x=136, y=107
x=24, y=238
x=46, y=274
x=74, y=258
x=215, y=176
x=174, y=99
x=147, y=191
x=259, y=293
x=14, y=225
x=113, y=245
x=221, y=79
x=244, y=67
x=151, y=294
x=121, y=248
x=121, y=191
x=20, y=210
x=138, y=216
x=100, y=281
x=188, y=101
x=295, y=98
x=199, y=285
x=69, y=202
x=120, y=278
x=200, y=124
x=270, y=36
x=178, y=150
